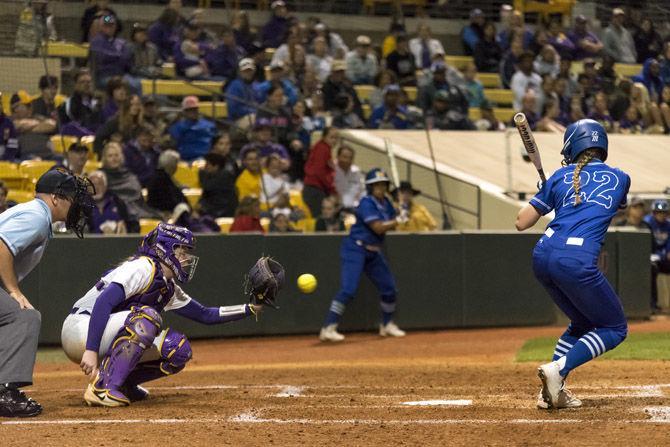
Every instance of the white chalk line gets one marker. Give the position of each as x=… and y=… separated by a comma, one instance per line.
x=290, y=391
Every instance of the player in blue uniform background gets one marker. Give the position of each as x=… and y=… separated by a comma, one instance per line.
x=659, y=224
x=362, y=252
x=585, y=194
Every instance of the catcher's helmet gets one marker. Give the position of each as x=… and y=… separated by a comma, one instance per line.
x=582, y=135
x=660, y=206
x=160, y=244
x=375, y=175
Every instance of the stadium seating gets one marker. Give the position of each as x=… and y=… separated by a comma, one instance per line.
x=92, y=165
x=178, y=87
x=504, y=114
x=499, y=96
x=66, y=49
x=34, y=169
x=193, y=196
x=214, y=109
x=187, y=175
x=224, y=224
x=20, y=196
x=61, y=143
x=146, y=225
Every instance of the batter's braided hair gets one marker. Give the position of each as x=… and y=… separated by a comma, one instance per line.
x=583, y=159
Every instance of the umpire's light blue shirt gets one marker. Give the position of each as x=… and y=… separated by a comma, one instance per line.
x=26, y=230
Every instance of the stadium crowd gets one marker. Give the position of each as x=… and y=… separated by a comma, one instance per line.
x=278, y=101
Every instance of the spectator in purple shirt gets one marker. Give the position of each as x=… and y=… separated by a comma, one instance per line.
x=9, y=143
x=560, y=41
x=81, y=114
x=109, y=215
x=265, y=146
x=223, y=59
x=244, y=35
x=164, y=33
x=586, y=43
x=117, y=94
x=110, y=55
x=141, y=155
x=275, y=30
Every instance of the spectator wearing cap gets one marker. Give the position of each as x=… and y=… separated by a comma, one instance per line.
x=319, y=171
x=223, y=59
x=336, y=85
x=348, y=178
x=9, y=142
x=442, y=116
x=33, y=133
x=472, y=33
x=650, y=76
x=319, y=60
x=92, y=13
x=648, y=42
x=248, y=183
x=109, y=215
x=147, y=61
x=81, y=114
x=193, y=134
x=440, y=80
x=75, y=158
x=488, y=53
x=141, y=155
x=618, y=41
x=164, y=33
x=217, y=180
x=336, y=46
x=392, y=114
x=586, y=43
x=402, y=63
x=278, y=79
x=241, y=95
x=362, y=63
x=525, y=79
x=508, y=64
x=424, y=47
x=420, y=219
x=274, y=32
x=44, y=106
x=659, y=224
x=152, y=116
x=263, y=142
x=110, y=55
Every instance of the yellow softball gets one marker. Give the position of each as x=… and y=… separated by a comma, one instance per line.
x=307, y=283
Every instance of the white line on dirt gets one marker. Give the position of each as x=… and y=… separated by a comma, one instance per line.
x=439, y=402
x=290, y=391
x=658, y=414
x=108, y=421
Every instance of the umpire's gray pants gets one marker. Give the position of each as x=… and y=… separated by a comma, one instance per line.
x=19, y=332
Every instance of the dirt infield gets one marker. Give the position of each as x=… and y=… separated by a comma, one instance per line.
x=296, y=391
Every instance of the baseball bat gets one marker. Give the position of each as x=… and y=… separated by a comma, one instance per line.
x=394, y=168
x=529, y=143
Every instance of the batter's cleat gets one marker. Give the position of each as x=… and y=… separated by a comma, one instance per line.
x=15, y=404
x=543, y=402
x=390, y=329
x=565, y=400
x=96, y=397
x=552, y=382
x=135, y=393
x=329, y=333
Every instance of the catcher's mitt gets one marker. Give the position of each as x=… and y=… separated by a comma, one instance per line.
x=264, y=281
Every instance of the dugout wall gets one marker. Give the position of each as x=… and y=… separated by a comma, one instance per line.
x=445, y=280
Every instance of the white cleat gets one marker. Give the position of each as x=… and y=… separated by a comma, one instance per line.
x=552, y=382
x=390, y=330
x=329, y=333
x=565, y=400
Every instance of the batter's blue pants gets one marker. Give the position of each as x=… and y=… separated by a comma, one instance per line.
x=355, y=260
x=570, y=274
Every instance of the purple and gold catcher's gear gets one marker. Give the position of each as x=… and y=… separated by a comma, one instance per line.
x=582, y=135
x=264, y=281
x=142, y=326
x=161, y=243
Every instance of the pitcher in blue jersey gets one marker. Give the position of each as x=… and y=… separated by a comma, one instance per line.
x=585, y=194
x=362, y=252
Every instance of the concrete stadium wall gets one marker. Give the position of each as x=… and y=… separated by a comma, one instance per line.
x=445, y=280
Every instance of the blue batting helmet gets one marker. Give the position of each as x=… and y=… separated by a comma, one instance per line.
x=375, y=175
x=660, y=206
x=582, y=135
x=161, y=243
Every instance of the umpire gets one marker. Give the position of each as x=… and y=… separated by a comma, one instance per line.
x=25, y=231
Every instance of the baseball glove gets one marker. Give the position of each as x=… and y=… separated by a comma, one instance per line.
x=264, y=281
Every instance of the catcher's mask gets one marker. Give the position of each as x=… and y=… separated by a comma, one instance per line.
x=172, y=245
x=77, y=190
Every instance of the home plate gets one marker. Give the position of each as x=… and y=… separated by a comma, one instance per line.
x=658, y=414
x=429, y=403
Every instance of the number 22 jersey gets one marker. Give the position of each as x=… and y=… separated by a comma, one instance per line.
x=603, y=191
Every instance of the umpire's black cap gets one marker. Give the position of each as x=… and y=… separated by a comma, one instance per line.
x=57, y=180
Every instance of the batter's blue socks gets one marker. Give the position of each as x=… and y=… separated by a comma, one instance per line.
x=388, y=309
x=335, y=312
x=563, y=345
x=591, y=345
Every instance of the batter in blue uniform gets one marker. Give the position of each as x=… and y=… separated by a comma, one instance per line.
x=584, y=194
x=659, y=224
x=362, y=252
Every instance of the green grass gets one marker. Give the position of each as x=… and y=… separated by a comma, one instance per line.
x=649, y=346
x=52, y=355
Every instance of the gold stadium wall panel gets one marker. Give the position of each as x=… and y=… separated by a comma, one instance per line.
x=445, y=280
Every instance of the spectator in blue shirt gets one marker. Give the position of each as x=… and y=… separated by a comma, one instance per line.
x=390, y=115
x=223, y=59
x=111, y=56
x=278, y=77
x=241, y=94
x=192, y=134
x=472, y=33
x=276, y=29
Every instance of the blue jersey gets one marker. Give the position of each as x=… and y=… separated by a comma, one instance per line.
x=603, y=190
x=370, y=209
x=660, y=231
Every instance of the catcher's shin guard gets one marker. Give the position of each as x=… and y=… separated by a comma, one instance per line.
x=175, y=351
x=140, y=329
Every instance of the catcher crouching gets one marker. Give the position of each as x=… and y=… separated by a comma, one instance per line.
x=119, y=318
